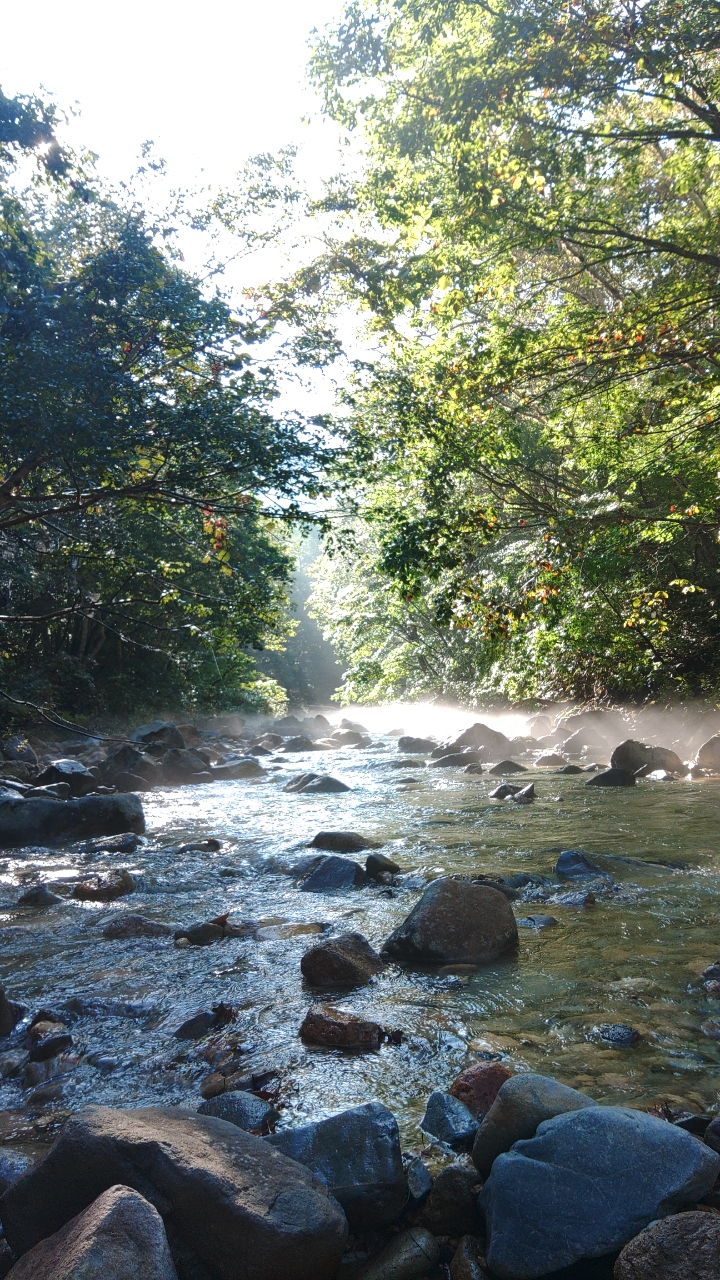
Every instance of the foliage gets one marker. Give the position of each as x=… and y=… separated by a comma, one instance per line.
x=536, y=239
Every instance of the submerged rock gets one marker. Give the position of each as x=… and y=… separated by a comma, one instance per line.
x=574, y=864
x=449, y=1120
x=357, y=1153
x=455, y=922
x=522, y=1103
x=346, y=961
x=536, y=922
x=619, y=1034
x=588, y=1182
x=28, y=822
x=685, y=1246
x=120, y=1236
x=265, y=1209
x=323, y=785
x=324, y=1024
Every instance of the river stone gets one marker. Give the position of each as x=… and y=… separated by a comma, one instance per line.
x=33, y=822
x=449, y=1120
x=297, y=784
x=410, y=1253
x=415, y=746
x=378, y=863
x=630, y=756
x=455, y=923
x=505, y=767
x=302, y=743
x=619, y=1034
x=457, y=760
x=357, y=1153
x=324, y=785
x=585, y=1184
x=612, y=778
x=504, y=790
x=78, y=778
x=536, y=922
x=134, y=926
x=524, y=796
x=708, y=757
x=247, y=1211
x=159, y=733
x=419, y=1182
x=550, y=759
x=522, y=1103
x=324, y=1024
x=236, y=770
x=242, y=1109
x=120, y=1236
x=10, y=1014
x=469, y=1260
x=333, y=873
x=685, y=1246
x=39, y=896
x=181, y=765
x=481, y=735
x=451, y=1209
x=474, y=768
x=346, y=961
x=573, y=864
x=128, y=759
x=341, y=842
x=478, y=1086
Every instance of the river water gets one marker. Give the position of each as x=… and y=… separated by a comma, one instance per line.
x=634, y=957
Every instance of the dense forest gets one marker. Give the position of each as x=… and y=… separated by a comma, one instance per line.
x=519, y=490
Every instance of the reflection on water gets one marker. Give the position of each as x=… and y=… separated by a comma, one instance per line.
x=635, y=957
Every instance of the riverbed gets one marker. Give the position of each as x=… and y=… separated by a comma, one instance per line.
x=635, y=957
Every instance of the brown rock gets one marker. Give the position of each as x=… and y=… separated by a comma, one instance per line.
x=105, y=888
x=346, y=961
x=451, y=1209
x=119, y=1237
x=479, y=1085
x=685, y=1246
x=469, y=1260
x=455, y=922
x=133, y=926
x=324, y=1024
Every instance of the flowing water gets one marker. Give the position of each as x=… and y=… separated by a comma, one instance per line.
x=634, y=957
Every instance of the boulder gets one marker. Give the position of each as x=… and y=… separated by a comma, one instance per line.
x=357, y=1153
x=241, y=1207
x=506, y=766
x=27, y=822
x=324, y=785
x=301, y=743
x=449, y=1120
x=522, y=1103
x=242, y=1109
x=524, y=796
x=377, y=864
x=341, y=842
x=236, y=771
x=134, y=926
x=159, y=733
x=297, y=784
x=202, y=934
x=451, y=1209
x=128, y=759
x=630, y=756
x=181, y=765
x=582, y=739
x=411, y=1253
x=586, y=1184
x=708, y=757
x=478, y=1086
x=455, y=923
x=505, y=790
x=39, y=896
x=346, y=961
x=469, y=1260
x=120, y=1236
x=78, y=778
x=129, y=782
x=482, y=736
x=347, y=737
x=550, y=760
x=324, y=1024
x=612, y=778
x=416, y=746
x=474, y=768
x=573, y=864
x=457, y=760
x=331, y=874
x=685, y=1246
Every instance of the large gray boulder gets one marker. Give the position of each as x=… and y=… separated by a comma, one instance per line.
x=587, y=1183
x=119, y=1237
x=358, y=1154
x=41, y=821
x=521, y=1104
x=631, y=756
x=455, y=923
x=79, y=779
x=244, y=1209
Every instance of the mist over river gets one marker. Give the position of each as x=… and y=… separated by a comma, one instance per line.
x=634, y=957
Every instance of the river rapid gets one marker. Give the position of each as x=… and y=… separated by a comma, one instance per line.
x=635, y=957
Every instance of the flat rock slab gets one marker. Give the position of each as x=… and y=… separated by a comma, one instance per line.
x=586, y=1184
x=358, y=1154
x=120, y=1236
x=246, y=1211
x=50, y=821
x=521, y=1104
x=685, y=1246
x=455, y=923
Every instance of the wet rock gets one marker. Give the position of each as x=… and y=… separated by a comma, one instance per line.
x=571, y=768
x=612, y=778
x=550, y=760
x=377, y=864
x=346, y=961
x=419, y=1182
x=358, y=1155
x=265, y=1210
x=10, y=1013
x=53, y=791
x=39, y=896
x=506, y=766
x=504, y=790
x=128, y=842
x=708, y=757
x=13, y=1164
x=18, y=749
x=72, y=772
x=510, y=893
x=236, y=771
x=202, y=934
x=526, y=796
x=119, y=1237
x=482, y=736
x=685, y=1246
x=301, y=743
x=469, y=1260
x=126, y=760
x=410, y=1253
x=324, y=1024
x=634, y=756
x=479, y=1085
x=205, y=1021
x=12, y=1062
x=587, y=1183
x=451, y=1209
x=456, y=760
x=104, y=888
x=27, y=822
x=302, y=780
x=242, y=1109
x=49, y=1046
x=342, y=842
x=712, y=1134
x=579, y=741
x=159, y=733
x=127, y=783
x=132, y=926
x=347, y=737
x=324, y=785
x=581, y=898
x=455, y=922
x=449, y=1120
x=573, y=864
x=332, y=874
x=474, y=768
x=522, y=1103
x=619, y=1034
x=536, y=922
x=415, y=746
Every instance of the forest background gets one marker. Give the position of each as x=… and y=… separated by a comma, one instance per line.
x=518, y=491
